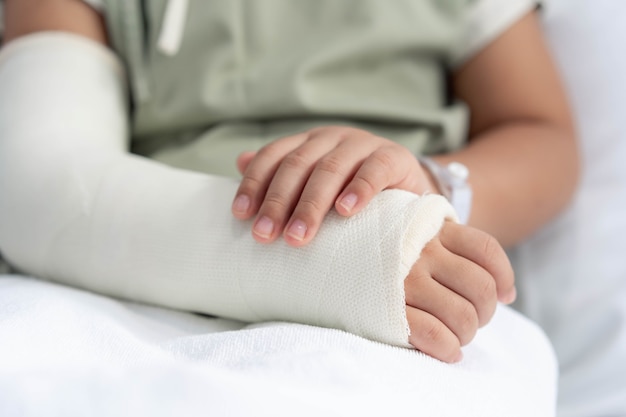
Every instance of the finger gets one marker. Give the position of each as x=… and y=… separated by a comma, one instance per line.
x=286, y=187
x=455, y=312
x=259, y=173
x=325, y=183
x=462, y=276
x=243, y=160
x=432, y=337
x=483, y=249
x=387, y=167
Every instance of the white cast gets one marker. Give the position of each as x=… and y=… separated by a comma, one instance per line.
x=77, y=208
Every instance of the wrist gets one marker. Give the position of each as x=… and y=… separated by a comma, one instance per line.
x=450, y=180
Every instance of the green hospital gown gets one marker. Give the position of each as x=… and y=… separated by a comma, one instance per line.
x=251, y=71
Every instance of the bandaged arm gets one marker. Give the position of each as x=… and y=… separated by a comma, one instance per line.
x=77, y=208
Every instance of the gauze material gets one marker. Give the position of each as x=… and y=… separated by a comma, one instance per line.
x=77, y=208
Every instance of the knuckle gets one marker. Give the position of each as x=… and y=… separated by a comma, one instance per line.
x=296, y=159
x=486, y=291
x=384, y=158
x=468, y=325
x=491, y=249
x=416, y=280
x=440, y=343
x=432, y=337
x=432, y=247
x=366, y=184
x=275, y=202
x=433, y=332
x=430, y=253
x=309, y=209
x=330, y=165
x=486, y=300
x=497, y=263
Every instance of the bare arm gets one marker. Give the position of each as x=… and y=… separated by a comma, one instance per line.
x=522, y=154
x=23, y=17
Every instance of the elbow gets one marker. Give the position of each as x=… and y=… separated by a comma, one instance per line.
x=568, y=161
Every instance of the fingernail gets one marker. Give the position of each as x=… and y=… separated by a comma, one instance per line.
x=241, y=204
x=348, y=202
x=297, y=230
x=264, y=227
x=459, y=357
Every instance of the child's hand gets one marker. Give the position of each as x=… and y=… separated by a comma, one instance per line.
x=453, y=289
x=293, y=182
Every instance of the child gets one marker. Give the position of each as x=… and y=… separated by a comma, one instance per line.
x=338, y=96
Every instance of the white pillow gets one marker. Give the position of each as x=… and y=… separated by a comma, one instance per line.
x=572, y=275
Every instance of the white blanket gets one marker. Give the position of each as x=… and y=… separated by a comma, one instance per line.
x=66, y=352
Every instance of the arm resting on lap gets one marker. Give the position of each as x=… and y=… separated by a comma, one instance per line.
x=77, y=208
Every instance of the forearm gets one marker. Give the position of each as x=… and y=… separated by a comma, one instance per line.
x=522, y=175
x=24, y=17
x=522, y=153
x=78, y=209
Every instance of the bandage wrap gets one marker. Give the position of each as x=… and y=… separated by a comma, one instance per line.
x=77, y=208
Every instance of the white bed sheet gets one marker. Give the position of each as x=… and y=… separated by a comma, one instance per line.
x=66, y=352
